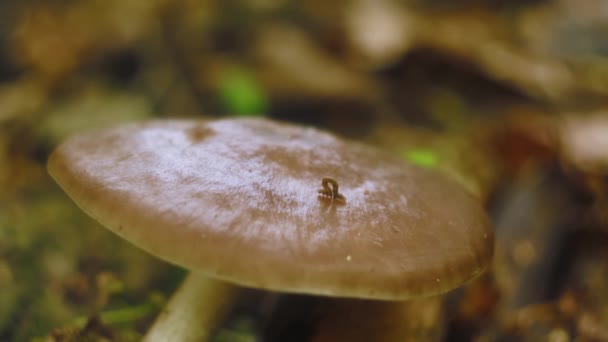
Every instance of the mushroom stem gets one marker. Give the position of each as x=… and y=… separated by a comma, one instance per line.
x=194, y=311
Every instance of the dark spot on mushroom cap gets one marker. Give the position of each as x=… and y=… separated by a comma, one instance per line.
x=198, y=133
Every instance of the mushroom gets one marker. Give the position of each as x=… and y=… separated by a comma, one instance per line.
x=274, y=206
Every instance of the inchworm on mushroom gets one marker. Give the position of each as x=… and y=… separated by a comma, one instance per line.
x=331, y=192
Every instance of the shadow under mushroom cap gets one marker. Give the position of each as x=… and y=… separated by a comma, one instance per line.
x=238, y=200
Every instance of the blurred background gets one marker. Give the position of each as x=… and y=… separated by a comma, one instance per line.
x=510, y=98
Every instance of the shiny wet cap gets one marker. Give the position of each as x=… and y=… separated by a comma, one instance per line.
x=278, y=206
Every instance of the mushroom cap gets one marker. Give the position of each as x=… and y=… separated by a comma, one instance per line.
x=238, y=200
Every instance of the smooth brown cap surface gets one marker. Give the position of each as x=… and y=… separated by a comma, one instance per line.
x=238, y=200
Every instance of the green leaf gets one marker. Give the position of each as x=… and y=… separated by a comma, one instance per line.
x=421, y=157
x=241, y=94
